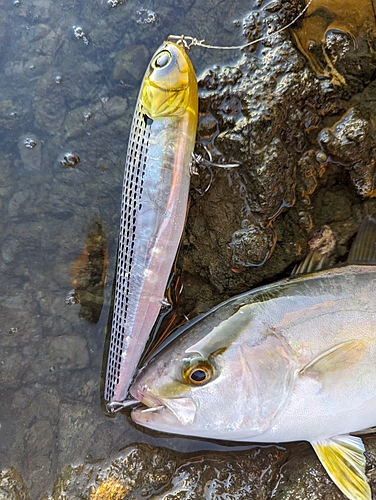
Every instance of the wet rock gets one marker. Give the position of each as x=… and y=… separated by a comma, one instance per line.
x=39, y=438
x=19, y=200
x=4, y=32
x=11, y=367
x=9, y=250
x=350, y=142
x=337, y=41
x=303, y=478
x=35, y=10
x=263, y=140
x=77, y=437
x=81, y=80
x=212, y=477
x=48, y=103
x=30, y=150
x=41, y=40
x=12, y=486
x=69, y=351
x=45, y=404
x=269, y=113
x=125, y=63
x=141, y=471
x=15, y=310
x=79, y=121
x=252, y=245
x=11, y=114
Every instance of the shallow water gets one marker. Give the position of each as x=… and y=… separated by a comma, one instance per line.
x=71, y=74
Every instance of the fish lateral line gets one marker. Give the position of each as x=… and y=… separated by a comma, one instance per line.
x=188, y=41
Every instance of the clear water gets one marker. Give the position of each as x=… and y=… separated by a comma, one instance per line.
x=71, y=71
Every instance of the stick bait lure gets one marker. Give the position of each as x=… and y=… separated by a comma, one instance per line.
x=153, y=212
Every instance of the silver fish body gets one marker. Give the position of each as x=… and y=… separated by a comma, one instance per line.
x=267, y=339
x=291, y=361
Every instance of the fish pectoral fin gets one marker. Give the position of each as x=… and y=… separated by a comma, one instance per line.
x=313, y=262
x=339, y=357
x=322, y=246
x=344, y=461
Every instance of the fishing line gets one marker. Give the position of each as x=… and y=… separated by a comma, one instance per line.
x=187, y=41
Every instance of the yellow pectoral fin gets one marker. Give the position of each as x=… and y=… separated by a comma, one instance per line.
x=339, y=357
x=343, y=459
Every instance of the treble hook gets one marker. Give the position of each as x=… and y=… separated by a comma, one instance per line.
x=115, y=406
x=199, y=160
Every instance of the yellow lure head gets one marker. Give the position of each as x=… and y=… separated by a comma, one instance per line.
x=169, y=88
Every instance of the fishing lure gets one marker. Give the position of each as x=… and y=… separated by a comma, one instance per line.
x=153, y=212
x=154, y=203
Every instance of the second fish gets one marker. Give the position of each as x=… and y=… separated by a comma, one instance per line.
x=154, y=205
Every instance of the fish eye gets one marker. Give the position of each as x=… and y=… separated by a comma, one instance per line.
x=162, y=59
x=197, y=371
x=198, y=376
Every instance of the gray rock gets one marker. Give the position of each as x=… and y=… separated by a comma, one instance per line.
x=29, y=147
x=68, y=351
x=130, y=61
x=48, y=103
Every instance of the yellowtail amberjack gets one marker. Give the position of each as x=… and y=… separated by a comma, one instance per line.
x=154, y=205
x=295, y=360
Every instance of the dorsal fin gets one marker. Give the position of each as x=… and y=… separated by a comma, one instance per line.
x=363, y=249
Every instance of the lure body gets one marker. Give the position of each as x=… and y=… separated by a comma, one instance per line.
x=154, y=205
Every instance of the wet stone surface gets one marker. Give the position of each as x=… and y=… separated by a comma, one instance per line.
x=300, y=123
x=350, y=142
x=159, y=473
x=290, y=131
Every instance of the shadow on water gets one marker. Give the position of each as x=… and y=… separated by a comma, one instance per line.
x=71, y=74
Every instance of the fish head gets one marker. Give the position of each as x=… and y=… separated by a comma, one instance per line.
x=215, y=386
x=169, y=87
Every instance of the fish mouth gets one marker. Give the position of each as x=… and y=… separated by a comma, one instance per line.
x=149, y=403
x=160, y=413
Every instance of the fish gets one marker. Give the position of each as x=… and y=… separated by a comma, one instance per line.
x=290, y=361
x=153, y=211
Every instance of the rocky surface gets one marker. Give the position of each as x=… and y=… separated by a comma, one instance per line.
x=301, y=123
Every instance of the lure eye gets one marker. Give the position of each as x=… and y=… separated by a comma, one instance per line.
x=197, y=371
x=162, y=59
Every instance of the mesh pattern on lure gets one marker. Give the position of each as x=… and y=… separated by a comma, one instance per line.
x=132, y=191
x=154, y=203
